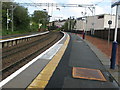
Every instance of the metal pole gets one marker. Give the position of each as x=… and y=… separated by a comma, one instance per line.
x=86, y=25
x=109, y=35
x=1, y=37
x=7, y=19
x=84, y=15
x=116, y=24
x=1, y=17
x=114, y=45
x=68, y=24
x=93, y=20
x=12, y=19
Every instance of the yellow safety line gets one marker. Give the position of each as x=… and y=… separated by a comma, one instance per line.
x=43, y=78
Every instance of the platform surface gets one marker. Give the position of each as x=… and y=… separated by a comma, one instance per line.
x=25, y=75
x=79, y=54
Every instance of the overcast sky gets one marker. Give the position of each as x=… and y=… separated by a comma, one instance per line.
x=102, y=7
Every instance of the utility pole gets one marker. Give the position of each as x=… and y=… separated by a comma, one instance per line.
x=1, y=16
x=12, y=20
x=68, y=24
x=92, y=9
x=13, y=7
x=7, y=18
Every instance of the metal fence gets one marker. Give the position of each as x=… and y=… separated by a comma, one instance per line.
x=104, y=34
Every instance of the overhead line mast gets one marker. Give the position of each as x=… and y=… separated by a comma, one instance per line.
x=57, y=4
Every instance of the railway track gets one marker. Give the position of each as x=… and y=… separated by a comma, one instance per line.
x=16, y=57
x=19, y=48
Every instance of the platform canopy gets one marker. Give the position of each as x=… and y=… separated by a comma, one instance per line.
x=115, y=2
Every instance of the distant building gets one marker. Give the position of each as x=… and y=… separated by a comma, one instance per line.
x=80, y=24
x=59, y=23
x=49, y=24
x=98, y=22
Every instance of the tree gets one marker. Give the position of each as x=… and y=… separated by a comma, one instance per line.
x=41, y=17
x=21, y=18
x=66, y=26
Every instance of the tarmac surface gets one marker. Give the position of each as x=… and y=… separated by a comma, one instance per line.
x=79, y=54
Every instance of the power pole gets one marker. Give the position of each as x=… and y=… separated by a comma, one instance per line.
x=1, y=16
x=13, y=7
x=7, y=19
x=68, y=24
x=12, y=20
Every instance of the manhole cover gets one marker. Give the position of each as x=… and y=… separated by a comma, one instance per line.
x=86, y=73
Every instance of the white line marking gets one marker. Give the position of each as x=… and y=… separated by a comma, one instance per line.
x=23, y=37
x=3, y=82
x=52, y=52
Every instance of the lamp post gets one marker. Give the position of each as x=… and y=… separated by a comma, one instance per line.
x=114, y=45
x=109, y=22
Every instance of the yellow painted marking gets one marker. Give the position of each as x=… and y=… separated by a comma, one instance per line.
x=38, y=83
x=43, y=78
x=49, y=70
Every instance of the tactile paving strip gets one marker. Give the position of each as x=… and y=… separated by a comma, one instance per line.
x=86, y=73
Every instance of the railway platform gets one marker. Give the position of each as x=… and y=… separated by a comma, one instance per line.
x=71, y=63
x=77, y=55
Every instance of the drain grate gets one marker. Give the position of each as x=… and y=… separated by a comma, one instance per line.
x=86, y=73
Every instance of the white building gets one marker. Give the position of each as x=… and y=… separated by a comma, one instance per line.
x=80, y=24
x=98, y=22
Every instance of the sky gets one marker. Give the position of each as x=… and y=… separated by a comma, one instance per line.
x=102, y=7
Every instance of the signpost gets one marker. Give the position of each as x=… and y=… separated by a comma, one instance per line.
x=114, y=45
x=109, y=22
